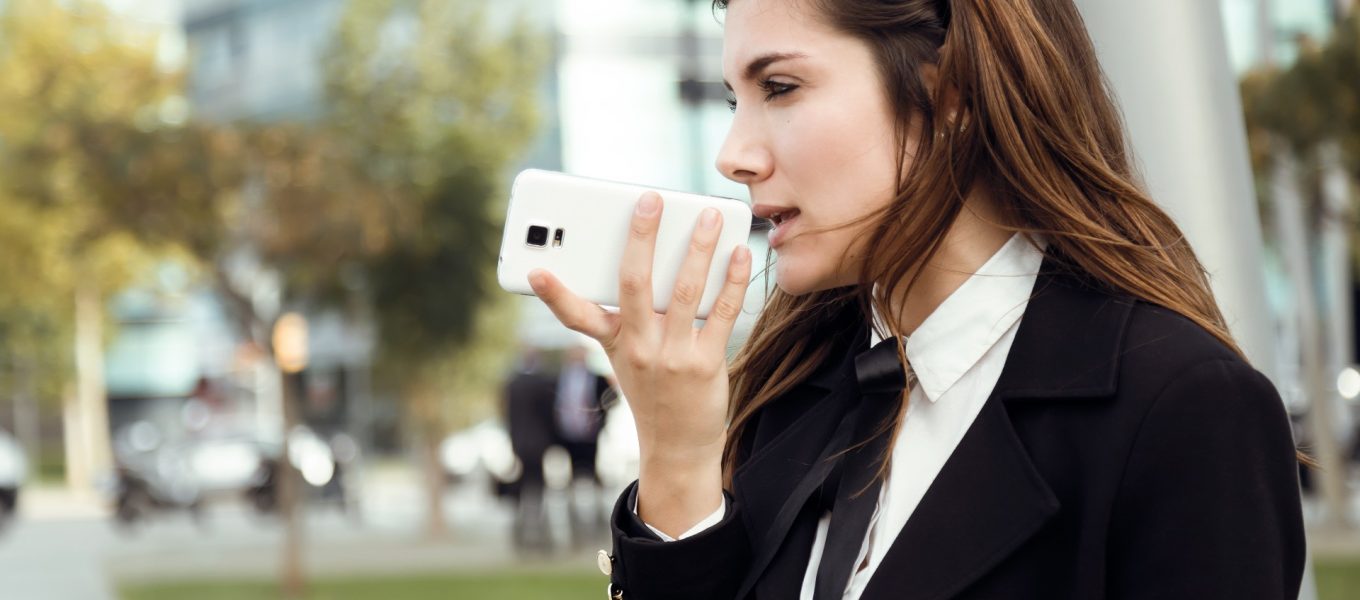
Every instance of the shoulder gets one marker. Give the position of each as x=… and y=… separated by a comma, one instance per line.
x=1172, y=368
x=1161, y=345
x=1159, y=331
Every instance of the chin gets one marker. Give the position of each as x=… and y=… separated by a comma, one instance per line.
x=797, y=280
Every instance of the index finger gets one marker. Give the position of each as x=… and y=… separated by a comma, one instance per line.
x=635, y=271
x=722, y=317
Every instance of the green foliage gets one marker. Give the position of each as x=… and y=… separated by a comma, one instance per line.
x=395, y=191
x=1314, y=101
x=1308, y=110
x=437, y=98
x=84, y=166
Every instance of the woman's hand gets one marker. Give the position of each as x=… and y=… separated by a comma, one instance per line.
x=673, y=375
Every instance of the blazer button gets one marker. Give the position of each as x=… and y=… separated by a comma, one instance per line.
x=605, y=562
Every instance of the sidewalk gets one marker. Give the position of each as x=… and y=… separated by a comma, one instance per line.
x=65, y=545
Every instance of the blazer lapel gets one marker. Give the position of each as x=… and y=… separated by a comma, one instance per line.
x=775, y=483
x=989, y=498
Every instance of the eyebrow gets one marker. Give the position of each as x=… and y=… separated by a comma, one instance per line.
x=763, y=62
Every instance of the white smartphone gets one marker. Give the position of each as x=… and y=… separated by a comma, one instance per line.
x=577, y=229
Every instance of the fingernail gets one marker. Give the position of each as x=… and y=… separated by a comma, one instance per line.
x=708, y=218
x=648, y=205
x=742, y=256
x=536, y=281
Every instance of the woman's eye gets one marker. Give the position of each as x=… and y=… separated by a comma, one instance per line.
x=774, y=89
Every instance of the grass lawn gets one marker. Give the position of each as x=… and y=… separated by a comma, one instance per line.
x=1336, y=580
x=501, y=586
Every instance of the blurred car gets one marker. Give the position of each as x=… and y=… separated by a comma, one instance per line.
x=13, y=472
x=152, y=475
x=155, y=476
x=482, y=450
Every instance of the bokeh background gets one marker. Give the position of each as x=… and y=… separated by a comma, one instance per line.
x=251, y=344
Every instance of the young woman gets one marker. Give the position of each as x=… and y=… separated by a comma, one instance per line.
x=1057, y=410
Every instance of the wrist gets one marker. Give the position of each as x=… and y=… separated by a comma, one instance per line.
x=672, y=497
x=685, y=455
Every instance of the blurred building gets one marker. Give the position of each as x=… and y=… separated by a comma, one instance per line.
x=257, y=59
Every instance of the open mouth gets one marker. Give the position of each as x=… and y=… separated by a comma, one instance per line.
x=782, y=217
x=783, y=221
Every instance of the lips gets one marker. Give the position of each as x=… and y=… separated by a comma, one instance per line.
x=782, y=217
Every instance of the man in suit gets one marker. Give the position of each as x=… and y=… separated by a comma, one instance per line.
x=580, y=417
x=528, y=399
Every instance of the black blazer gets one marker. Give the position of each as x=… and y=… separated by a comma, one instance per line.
x=1124, y=453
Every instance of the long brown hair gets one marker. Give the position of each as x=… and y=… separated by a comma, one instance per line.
x=1035, y=122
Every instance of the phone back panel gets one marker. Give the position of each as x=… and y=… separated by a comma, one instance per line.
x=594, y=218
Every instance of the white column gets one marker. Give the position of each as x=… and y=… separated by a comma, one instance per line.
x=1168, y=63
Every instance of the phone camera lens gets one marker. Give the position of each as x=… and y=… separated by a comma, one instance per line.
x=538, y=236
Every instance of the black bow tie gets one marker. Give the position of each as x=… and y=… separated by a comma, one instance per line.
x=879, y=369
x=882, y=377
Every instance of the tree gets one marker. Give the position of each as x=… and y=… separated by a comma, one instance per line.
x=1303, y=126
x=435, y=99
x=84, y=117
x=397, y=184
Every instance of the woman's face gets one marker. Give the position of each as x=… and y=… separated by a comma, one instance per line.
x=812, y=137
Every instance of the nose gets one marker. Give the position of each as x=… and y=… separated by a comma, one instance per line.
x=744, y=158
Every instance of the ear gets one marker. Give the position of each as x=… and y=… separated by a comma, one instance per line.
x=944, y=95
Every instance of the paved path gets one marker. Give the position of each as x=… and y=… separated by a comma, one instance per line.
x=64, y=546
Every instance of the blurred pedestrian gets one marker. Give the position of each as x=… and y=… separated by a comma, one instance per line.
x=580, y=413
x=528, y=398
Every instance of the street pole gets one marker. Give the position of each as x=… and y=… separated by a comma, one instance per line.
x=293, y=580
x=289, y=345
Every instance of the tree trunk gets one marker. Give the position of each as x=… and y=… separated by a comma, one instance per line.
x=89, y=413
x=437, y=527
x=290, y=491
x=428, y=422
x=1320, y=389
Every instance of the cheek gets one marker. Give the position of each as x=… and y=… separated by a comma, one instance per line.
x=838, y=168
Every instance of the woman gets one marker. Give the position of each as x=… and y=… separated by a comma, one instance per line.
x=1058, y=410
